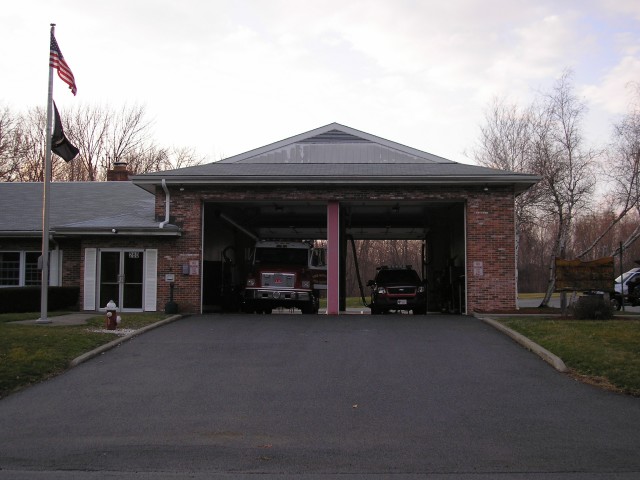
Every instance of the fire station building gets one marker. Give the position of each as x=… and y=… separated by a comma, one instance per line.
x=180, y=234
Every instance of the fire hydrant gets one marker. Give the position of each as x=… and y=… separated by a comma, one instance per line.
x=113, y=319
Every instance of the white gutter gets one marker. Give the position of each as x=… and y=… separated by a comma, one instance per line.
x=167, y=201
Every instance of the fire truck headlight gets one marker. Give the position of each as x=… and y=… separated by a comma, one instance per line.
x=251, y=282
x=306, y=283
x=420, y=289
x=382, y=290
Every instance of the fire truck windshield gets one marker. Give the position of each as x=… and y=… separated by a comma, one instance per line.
x=282, y=256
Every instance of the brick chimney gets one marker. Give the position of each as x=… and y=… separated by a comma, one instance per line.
x=119, y=173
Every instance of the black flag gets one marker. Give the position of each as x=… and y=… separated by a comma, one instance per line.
x=59, y=143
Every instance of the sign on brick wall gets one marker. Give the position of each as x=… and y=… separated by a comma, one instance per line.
x=478, y=268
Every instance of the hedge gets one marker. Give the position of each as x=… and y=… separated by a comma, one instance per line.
x=27, y=299
x=592, y=307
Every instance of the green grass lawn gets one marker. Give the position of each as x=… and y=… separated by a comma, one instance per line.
x=600, y=352
x=31, y=353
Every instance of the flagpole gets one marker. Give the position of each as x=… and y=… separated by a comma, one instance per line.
x=44, y=289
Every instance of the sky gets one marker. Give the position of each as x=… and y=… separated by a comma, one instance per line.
x=227, y=76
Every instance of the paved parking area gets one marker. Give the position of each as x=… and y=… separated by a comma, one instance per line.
x=291, y=396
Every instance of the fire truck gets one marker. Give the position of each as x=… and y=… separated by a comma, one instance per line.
x=285, y=274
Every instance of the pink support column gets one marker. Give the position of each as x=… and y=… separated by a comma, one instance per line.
x=333, y=258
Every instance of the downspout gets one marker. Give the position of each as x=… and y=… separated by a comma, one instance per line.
x=167, y=201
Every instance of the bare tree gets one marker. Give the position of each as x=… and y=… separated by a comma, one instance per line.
x=128, y=134
x=543, y=139
x=32, y=149
x=153, y=158
x=181, y=157
x=150, y=158
x=86, y=127
x=9, y=145
x=565, y=165
x=623, y=171
x=24, y=150
x=103, y=137
x=506, y=143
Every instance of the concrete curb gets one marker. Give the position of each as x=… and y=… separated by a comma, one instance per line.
x=553, y=360
x=108, y=346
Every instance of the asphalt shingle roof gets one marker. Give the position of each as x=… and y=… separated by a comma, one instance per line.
x=74, y=204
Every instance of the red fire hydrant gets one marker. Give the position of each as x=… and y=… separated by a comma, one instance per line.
x=112, y=319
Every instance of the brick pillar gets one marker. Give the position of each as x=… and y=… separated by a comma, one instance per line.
x=491, y=276
x=333, y=258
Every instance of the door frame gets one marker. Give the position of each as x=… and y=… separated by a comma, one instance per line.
x=121, y=284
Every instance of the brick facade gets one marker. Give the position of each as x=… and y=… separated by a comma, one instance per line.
x=489, y=227
x=491, y=264
x=490, y=242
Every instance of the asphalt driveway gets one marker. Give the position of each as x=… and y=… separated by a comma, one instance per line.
x=290, y=396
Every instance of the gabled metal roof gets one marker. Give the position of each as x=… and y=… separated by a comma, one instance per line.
x=78, y=208
x=337, y=155
x=335, y=144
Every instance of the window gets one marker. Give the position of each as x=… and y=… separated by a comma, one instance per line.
x=282, y=256
x=9, y=269
x=19, y=269
x=32, y=273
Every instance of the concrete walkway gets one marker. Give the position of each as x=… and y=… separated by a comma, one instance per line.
x=296, y=396
x=68, y=319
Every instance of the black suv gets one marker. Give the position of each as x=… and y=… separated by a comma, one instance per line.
x=398, y=288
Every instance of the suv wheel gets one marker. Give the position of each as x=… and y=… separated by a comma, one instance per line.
x=615, y=302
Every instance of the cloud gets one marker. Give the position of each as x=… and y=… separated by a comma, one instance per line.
x=616, y=92
x=626, y=7
x=618, y=85
x=229, y=75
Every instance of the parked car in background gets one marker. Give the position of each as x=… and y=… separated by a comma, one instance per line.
x=397, y=288
x=626, y=286
x=631, y=277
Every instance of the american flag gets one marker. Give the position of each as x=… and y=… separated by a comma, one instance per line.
x=57, y=61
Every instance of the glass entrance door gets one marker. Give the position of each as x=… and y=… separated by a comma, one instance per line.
x=121, y=278
x=133, y=274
